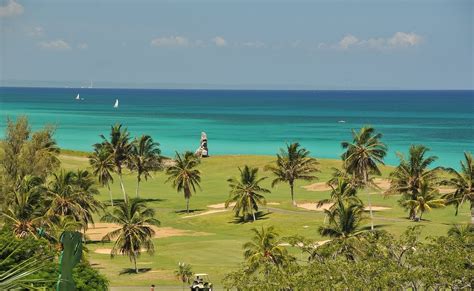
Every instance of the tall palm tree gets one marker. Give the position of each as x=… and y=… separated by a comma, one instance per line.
x=411, y=174
x=70, y=193
x=363, y=156
x=265, y=249
x=463, y=182
x=119, y=147
x=24, y=213
x=145, y=157
x=102, y=163
x=425, y=200
x=246, y=192
x=293, y=164
x=184, y=175
x=135, y=232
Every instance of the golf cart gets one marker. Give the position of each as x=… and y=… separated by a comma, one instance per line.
x=201, y=283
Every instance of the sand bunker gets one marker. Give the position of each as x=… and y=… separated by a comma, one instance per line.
x=273, y=203
x=101, y=229
x=326, y=206
x=220, y=205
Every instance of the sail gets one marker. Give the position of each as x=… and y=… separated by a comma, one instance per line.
x=78, y=97
x=116, y=103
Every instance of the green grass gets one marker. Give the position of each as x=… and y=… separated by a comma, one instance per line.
x=220, y=250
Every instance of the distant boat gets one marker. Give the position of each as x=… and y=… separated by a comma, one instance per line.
x=78, y=97
x=341, y=121
x=116, y=103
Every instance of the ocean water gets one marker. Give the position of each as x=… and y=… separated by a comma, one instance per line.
x=253, y=122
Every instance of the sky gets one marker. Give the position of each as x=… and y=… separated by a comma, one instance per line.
x=382, y=44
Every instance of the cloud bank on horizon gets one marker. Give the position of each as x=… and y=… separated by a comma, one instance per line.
x=213, y=44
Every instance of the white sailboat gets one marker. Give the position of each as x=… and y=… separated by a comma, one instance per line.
x=78, y=97
x=116, y=103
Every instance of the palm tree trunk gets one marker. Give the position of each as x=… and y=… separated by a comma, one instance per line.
x=366, y=179
x=421, y=215
x=472, y=213
x=135, y=262
x=187, y=205
x=253, y=215
x=123, y=188
x=292, y=193
x=110, y=194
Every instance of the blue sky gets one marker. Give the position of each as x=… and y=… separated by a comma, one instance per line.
x=239, y=44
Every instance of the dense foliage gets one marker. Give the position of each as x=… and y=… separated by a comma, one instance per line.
x=15, y=251
x=377, y=260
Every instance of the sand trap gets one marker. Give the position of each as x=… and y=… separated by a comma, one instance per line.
x=273, y=203
x=384, y=184
x=74, y=158
x=326, y=206
x=320, y=186
x=220, y=205
x=101, y=229
x=206, y=213
x=446, y=190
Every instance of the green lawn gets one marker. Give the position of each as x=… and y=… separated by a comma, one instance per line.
x=219, y=250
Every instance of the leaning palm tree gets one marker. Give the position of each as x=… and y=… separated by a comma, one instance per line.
x=265, y=250
x=145, y=157
x=184, y=175
x=362, y=157
x=102, y=163
x=135, y=232
x=411, y=173
x=463, y=182
x=24, y=213
x=293, y=163
x=246, y=192
x=426, y=200
x=119, y=147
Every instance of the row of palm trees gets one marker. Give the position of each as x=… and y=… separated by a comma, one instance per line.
x=140, y=155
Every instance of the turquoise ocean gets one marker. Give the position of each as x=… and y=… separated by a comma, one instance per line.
x=252, y=122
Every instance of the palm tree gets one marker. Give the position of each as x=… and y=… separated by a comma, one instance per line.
x=70, y=193
x=425, y=200
x=344, y=220
x=343, y=189
x=119, y=147
x=145, y=157
x=184, y=175
x=135, y=232
x=293, y=164
x=24, y=213
x=362, y=157
x=246, y=192
x=411, y=173
x=265, y=249
x=464, y=233
x=463, y=182
x=102, y=163
x=184, y=273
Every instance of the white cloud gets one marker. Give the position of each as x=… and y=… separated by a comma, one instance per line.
x=11, y=9
x=219, y=41
x=398, y=40
x=36, y=31
x=57, y=45
x=171, y=41
x=83, y=46
x=254, y=44
x=402, y=39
